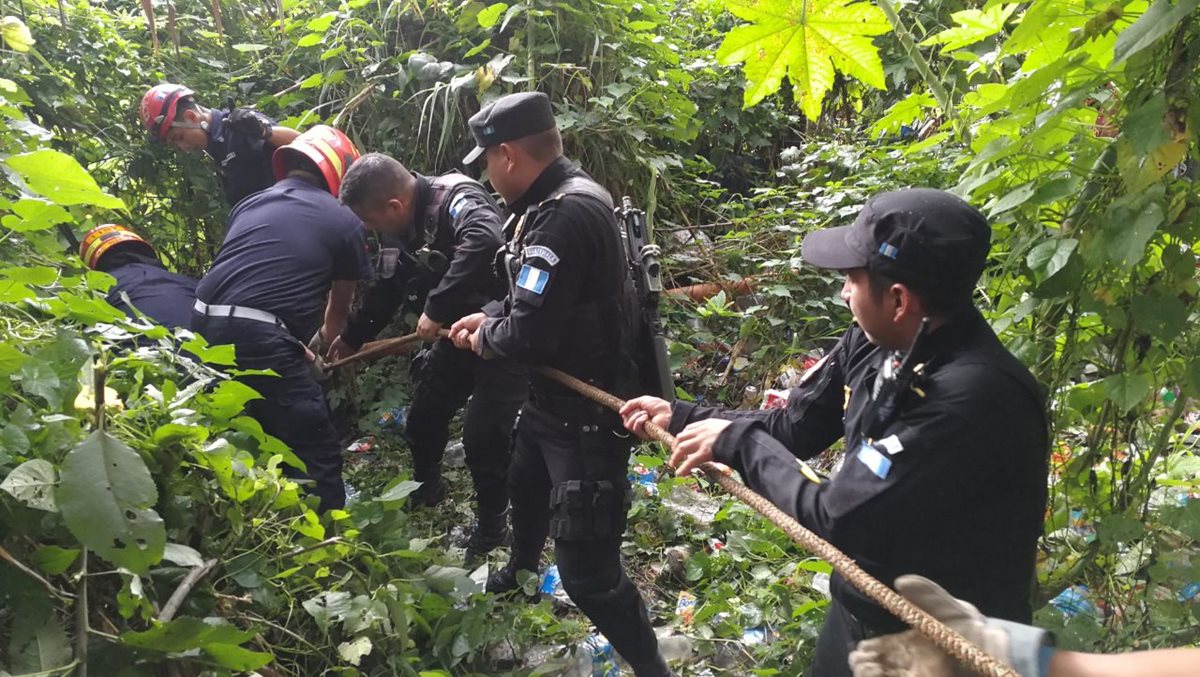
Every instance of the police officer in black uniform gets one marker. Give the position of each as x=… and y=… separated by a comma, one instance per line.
x=240, y=140
x=289, y=264
x=447, y=230
x=945, y=431
x=565, y=309
x=158, y=293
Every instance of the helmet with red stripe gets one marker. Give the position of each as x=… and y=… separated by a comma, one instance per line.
x=160, y=106
x=328, y=148
x=102, y=239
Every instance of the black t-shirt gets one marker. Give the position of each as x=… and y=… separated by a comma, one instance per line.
x=243, y=162
x=166, y=297
x=286, y=245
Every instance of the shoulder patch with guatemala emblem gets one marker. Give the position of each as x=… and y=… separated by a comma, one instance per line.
x=532, y=278
x=542, y=252
x=456, y=207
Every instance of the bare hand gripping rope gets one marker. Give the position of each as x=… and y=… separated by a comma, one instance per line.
x=944, y=637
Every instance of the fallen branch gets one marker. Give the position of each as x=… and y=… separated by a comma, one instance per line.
x=374, y=349
x=185, y=586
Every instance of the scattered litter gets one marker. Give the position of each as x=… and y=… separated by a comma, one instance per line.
x=674, y=563
x=761, y=634
x=774, y=399
x=645, y=479
x=363, y=445
x=1081, y=527
x=456, y=455
x=820, y=583
x=1191, y=591
x=685, y=607
x=604, y=662
x=396, y=417
x=715, y=546
x=674, y=647
x=552, y=585
x=352, y=493
x=1075, y=601
x=698, y=506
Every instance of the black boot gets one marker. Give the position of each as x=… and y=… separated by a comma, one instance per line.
x=430, y=493
x=491, y=532
x=505, y=580
x=655, y=668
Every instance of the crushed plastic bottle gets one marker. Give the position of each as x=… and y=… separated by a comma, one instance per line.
x=553, y=587
x=1075, y=601
x=604, y=659
x=362, y=445
x=675, y=647
x=456, y=455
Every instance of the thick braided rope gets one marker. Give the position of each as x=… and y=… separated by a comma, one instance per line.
x=376, y=349
x=944, y=637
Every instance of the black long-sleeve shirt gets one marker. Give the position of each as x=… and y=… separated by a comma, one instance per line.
x=464, y=226
x=563, y=305
x=954, y=489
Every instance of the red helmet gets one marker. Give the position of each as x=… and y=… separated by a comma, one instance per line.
x=328, y=148
x=103, y=238
x=159, y=106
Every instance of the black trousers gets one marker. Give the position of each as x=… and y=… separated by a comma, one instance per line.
x=446, y=379
x=839, y=636
x=568, y=480
x=293, y=407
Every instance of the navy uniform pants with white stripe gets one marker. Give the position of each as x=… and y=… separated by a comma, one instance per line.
x=293, y=408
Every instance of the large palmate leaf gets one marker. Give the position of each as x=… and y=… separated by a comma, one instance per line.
x=807, y=41
x=106, y=496
x=971, y=26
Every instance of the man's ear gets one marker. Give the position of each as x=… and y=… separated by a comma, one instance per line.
x=904, y=302
x=510, y=156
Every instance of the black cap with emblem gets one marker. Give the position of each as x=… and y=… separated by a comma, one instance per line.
x=510, y=117
x=917, y=236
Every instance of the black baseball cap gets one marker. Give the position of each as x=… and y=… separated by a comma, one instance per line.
x=918, y=236
x=514, y=116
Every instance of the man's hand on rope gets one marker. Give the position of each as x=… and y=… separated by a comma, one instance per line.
x=910, y=654
x=641, y=410
x=695, y=445
x=339, y=350
x=464, y=331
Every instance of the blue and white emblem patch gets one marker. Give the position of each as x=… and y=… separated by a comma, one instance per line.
x=457, y=205
x=878, y=464
x=532, y=279
x=545, y=253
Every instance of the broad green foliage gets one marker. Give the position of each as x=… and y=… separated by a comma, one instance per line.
x=807, y=42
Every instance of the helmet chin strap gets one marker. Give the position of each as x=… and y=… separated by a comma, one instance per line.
x=190, y=125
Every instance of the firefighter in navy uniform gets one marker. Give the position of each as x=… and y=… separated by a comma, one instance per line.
x=565, y=309
x=945, y=431
x=240, y=140
x=287, y=267
x=448, y=230
x=156, y=292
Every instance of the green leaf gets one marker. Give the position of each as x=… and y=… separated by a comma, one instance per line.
x=399, y=491
x=223, y=355
x=1123, y=241
x=310, y=40
x=40, y=380
x=487, y=18
x=1119, y=529
x=229, y=399
x=1126, y=390
x=1162, y=315
x=904, y=111
x=322, y=23
x=1159, y=20
x=1049, y=257
x=58, y=177
x=353, y=652
x=86, y=309
x=807, y=42
x=105, y=495
x=11, y=359
x=32, y=483
x=312, y=81
x=54, y=560
x=972, y=26
x=13, y=441
x=1013, y=199
x=16, y=35
x=1144, y=126
x=182, y=555
x=38, y=644
x=31, y=214
x=249, y=47
x=236, y=658
x=185, y=633
x=35, y=275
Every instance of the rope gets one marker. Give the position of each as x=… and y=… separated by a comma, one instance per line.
x=944, y=637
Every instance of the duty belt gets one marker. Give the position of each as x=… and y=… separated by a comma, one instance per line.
x=240, y=312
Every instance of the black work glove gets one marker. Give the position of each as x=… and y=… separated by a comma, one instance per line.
x=249, y=122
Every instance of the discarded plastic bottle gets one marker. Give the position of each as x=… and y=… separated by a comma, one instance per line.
x=395, y=417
